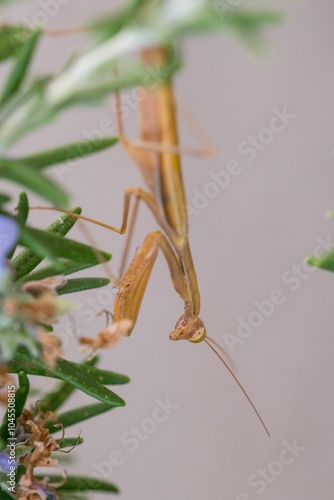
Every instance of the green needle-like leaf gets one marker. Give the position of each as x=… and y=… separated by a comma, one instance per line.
x=28, y=177
x=68, y=372
x=54, y=399
x=64, y=248
x=21, y=216
x=109, y=26
x=325, y=261
x=4, y=198
x=27, y=260
x=243, y=22
x=68, y=152
x=80, y=284
x=18, y=73
x=34, y=252
x=12, y=38
x=21, y=395
x=69, y=442
x=77, y=415
x=78, y=484
x=105, y=377
x=62, y=267
x=22, y=209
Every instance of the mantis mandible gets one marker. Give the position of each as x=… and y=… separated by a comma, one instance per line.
x=157, y=155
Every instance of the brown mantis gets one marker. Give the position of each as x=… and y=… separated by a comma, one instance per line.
x=157, y=155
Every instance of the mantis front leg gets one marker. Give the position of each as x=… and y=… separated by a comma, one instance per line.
x=133, y=285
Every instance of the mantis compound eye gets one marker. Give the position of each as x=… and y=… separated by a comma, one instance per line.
x=198, y=336
x=198, y=332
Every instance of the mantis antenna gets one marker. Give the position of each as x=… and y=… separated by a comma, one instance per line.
x=207, y=341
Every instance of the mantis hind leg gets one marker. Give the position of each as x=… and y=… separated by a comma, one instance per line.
x=152, y=143
x=127, y=225
x=129, y=193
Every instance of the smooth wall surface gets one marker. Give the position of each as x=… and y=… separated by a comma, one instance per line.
x=187, y=431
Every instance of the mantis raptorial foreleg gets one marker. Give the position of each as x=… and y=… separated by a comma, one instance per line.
x=133, y=285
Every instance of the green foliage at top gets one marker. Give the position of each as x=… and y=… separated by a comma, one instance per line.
x=90, y=76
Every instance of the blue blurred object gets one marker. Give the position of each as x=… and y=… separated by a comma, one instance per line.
x=9, y=233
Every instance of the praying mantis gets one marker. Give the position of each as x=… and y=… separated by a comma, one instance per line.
x=157, y=155
x=165, y=198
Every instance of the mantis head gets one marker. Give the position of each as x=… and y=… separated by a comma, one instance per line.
x=189, y=328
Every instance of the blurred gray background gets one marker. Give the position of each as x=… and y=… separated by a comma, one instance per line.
x=248, y=240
